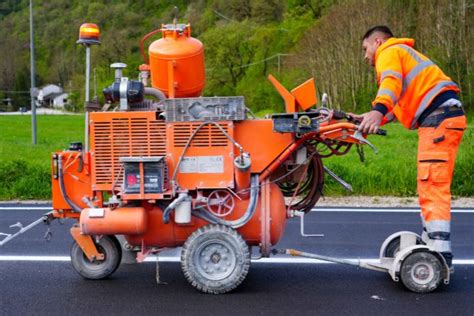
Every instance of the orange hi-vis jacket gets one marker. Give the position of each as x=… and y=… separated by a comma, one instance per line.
x=408, y=80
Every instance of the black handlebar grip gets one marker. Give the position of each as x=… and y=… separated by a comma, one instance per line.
x=339, y=115
x=381, y=132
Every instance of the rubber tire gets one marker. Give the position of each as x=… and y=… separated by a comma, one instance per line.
x=428, y=259
x=393, y=247
x=211, y=235
x=110, y=247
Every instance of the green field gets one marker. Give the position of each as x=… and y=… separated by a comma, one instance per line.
x=25, y=168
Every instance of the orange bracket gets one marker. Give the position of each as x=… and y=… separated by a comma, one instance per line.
x=290, y=101
x=87, y=244
x=305, y=94
x=301, y=98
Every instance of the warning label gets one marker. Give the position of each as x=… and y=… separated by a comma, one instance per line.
x=188, y=165
x=202, y=164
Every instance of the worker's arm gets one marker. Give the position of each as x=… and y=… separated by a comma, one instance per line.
x=389, y=77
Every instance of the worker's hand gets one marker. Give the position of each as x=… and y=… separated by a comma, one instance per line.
x=371, y=122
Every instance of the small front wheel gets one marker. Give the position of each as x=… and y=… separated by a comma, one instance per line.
x=96, y=270
x=421, y=272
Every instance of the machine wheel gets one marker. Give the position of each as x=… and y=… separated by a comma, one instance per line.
x=215, y=259
x=393, y=247
x=421, y=272
x=110, y=247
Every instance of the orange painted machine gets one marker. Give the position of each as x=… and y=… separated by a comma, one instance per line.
x=176, y=169
x=169, y=168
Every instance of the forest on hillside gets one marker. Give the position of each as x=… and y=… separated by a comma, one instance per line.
x=245, y=40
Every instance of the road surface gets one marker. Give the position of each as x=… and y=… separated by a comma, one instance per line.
x=36, y=276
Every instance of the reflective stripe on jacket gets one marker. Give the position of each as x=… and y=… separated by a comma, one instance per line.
x=408, y=80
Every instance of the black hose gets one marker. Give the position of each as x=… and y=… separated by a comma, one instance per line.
x=311, y=188
x=316, y=188
x=158, y=94
x=254, y=189
x=62, y=188
x=169, y=208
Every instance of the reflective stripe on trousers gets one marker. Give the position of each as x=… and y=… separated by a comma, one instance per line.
x=437, y=149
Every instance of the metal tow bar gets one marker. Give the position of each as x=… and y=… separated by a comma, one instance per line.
x=425, y=271
x=358, y=263
x=46, y=218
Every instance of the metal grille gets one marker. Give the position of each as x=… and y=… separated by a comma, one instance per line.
x=123, y=137
x=208, y=136
x=205, y=109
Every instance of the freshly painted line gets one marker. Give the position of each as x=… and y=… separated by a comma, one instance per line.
x=35, y=258
x=177, y=259
x=383, y=210
x=322, y=209
x=25, y=208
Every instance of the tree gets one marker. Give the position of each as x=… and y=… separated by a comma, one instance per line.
x=228, y=50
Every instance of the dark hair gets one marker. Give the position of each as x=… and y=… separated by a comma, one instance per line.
x=379, y=28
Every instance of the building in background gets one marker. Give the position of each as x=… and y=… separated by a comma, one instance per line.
x=52, y=96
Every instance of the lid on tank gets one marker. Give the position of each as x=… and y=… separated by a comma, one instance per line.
x=174, y=27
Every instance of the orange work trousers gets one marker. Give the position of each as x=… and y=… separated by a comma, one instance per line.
x=437, y=149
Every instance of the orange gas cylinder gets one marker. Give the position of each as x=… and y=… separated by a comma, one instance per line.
x=104, y=221
x=177, y=62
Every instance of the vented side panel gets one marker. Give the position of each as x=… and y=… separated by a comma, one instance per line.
x=124, y=134
x=207, y=136
x=208, y=160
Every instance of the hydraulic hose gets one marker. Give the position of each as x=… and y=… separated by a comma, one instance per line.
x=155, y=93
x=316, y=187
x=171, y=206
x=254, y=189
x=62, y=188
x=311, y=186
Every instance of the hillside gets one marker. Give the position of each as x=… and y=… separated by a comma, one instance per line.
x=245, y=41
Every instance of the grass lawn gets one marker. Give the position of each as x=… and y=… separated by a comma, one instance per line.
x=25, y=168
x=54, y=132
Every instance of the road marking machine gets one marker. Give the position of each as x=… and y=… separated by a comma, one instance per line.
x=168, y=168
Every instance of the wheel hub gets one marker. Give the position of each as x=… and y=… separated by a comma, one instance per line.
x=422, y=273
x=215, y=260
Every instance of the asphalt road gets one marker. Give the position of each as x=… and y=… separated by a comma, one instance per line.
x=36, y=278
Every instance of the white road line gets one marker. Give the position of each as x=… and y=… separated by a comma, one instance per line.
x=274, y=260
x=25, y=208
x=382, y=210
x=322, y=209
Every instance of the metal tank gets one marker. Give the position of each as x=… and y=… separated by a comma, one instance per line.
x=177, y=62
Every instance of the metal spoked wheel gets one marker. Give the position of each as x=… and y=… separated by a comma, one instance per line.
x=421, y=272
x=215, y=259
x=96, y=270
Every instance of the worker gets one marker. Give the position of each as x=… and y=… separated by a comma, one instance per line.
x=415, y=91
